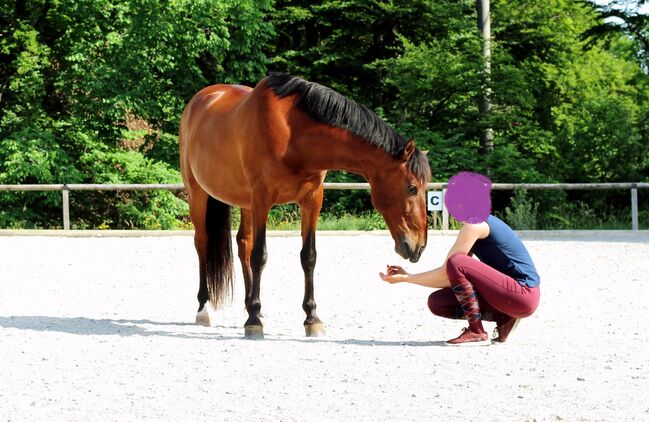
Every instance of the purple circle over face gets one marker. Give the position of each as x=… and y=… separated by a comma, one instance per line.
x=468, y=197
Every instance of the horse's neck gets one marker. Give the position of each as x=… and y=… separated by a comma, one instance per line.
x=336, y=149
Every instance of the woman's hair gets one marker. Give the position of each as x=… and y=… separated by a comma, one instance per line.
x=468, y=197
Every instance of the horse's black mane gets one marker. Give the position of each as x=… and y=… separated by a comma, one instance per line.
x=333, y=109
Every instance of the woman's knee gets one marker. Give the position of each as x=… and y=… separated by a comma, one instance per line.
x=433, y=304
x=444, y=303
x=454, y=262
x=529, y=306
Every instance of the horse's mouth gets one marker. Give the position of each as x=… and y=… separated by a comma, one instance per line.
x=404, y=249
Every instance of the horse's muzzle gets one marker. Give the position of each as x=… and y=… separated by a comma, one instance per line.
x=404, y=249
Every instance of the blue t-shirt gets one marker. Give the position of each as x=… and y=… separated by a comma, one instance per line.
x=505, y=252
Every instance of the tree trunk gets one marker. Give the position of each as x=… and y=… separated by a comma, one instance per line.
x=484, y=26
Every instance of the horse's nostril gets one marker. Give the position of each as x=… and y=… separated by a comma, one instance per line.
x=407, y=249
x=402, y=249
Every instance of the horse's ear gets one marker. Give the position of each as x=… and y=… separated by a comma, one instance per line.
x=425, y=152
x=408, y=150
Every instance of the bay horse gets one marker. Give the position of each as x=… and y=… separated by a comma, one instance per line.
x=254, y=148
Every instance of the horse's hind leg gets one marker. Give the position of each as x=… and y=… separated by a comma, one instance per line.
x=198, y=212
x=310, y=209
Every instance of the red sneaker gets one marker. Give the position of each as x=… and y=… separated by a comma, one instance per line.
x=504, y=329
x=470, y=338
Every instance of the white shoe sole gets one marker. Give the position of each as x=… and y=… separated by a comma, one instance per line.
x=470, y=343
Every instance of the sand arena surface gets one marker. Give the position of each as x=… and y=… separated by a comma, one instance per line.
x=102, y=329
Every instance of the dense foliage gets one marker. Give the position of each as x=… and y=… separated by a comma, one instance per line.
x=92, y=91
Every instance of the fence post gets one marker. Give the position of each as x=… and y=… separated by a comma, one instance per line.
x=444, y=212
x=65, y=193
x=634, y=207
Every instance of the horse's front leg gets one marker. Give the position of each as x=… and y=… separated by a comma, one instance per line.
x=244, y=243
x=258, y=256
x=310, y=209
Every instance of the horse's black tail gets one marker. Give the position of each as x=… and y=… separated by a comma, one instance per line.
x=218, y=266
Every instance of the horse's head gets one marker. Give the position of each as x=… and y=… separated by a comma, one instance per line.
x=399, y=194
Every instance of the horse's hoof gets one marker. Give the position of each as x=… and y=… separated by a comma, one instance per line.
x=314, y=330
x=254, y=332
x=204, y=317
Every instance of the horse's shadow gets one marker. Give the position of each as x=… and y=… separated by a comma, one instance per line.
x=98, y=327
x=125, y=328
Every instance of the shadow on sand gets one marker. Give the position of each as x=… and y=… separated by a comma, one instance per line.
x=123, y=327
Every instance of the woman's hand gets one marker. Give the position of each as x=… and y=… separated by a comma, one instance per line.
x=394, y=274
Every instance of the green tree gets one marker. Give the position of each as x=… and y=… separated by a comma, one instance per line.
x=92, y=91
x=335, y=42
x=622, y=17
x=571, y=94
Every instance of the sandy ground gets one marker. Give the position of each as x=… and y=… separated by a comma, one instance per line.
x=102, y=329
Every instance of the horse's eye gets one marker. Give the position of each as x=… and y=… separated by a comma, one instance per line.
x=412, y=189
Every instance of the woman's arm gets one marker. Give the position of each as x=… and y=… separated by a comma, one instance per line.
x=467, y=237
x=436, y=278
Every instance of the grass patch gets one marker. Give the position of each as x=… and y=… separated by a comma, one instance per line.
x=364, y=222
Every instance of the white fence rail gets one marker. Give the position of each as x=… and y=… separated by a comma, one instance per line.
x=66, y=188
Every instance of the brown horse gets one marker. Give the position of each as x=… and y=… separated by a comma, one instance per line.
x=254, y=148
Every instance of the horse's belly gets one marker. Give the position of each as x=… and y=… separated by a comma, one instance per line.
x=236, y=199
x=219, y=175
x=228, y=191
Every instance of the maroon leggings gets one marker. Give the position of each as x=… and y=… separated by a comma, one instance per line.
x=499, y=295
